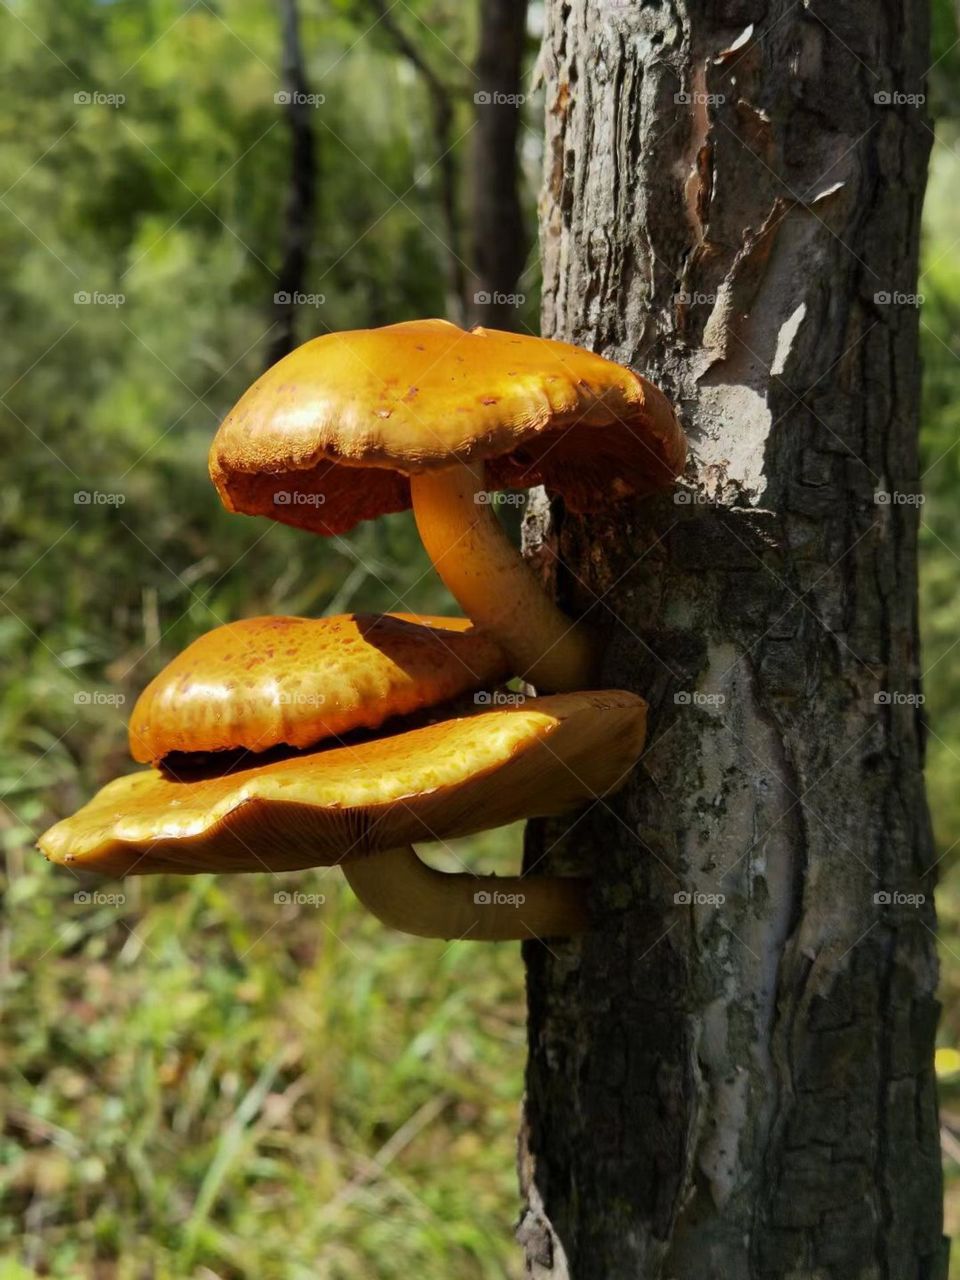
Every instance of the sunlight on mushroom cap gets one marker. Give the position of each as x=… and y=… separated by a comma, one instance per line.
x=267, y=681
x=440, y=782
x=327, y=437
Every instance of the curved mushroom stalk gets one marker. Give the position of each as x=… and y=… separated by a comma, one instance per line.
x=491, y=581
x=404, y=893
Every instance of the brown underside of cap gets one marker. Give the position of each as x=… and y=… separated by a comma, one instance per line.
x=328, y=436
x=263, y=682
x=439, y=782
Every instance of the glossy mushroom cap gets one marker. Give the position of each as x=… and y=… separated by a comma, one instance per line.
x=440, y=782
x=328, y=436
x=265, y=682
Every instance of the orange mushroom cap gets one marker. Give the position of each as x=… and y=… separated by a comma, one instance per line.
x=271, y=681
x=328, y=436
x=439, y=782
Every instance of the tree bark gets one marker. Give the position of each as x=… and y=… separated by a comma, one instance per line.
x=497, y=224
x=301, y=195
x=731, y=1075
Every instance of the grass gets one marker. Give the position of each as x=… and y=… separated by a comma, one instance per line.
x=202, y=1080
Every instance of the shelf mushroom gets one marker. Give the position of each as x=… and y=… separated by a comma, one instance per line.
x=354, y=425
x=362, y=806
x=282, y=681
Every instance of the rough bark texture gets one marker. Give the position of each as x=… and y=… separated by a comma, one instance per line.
x=744, y=1088
x=498, y=234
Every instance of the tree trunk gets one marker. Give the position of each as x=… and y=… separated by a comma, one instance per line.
x=731, y=1076
x=301, y=196
x=498, y=232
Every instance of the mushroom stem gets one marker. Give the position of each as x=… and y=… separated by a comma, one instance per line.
x=492, y=582
x=404, y=893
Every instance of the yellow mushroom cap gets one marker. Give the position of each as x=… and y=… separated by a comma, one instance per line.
x=541, y=757
x=328, y=436
x=264, y=682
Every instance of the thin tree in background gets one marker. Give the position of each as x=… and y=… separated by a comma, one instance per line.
x=301, y=194
x=441, y=100
x=498, y=235
x=731, y=1077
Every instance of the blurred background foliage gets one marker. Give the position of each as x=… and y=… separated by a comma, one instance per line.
x=201, y=1080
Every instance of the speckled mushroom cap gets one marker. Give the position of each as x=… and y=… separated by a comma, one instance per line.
x=264, y=682
x=328, y=436
x=439, y=782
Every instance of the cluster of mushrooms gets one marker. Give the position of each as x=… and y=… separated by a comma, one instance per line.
x=279, y=743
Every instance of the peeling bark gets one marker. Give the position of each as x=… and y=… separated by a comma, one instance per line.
x=731, y=1076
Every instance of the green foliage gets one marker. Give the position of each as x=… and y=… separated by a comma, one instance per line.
x=199, y=1080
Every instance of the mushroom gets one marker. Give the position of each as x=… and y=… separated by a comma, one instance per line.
x=363, y=805
x=271, y=681
x=354, y=425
